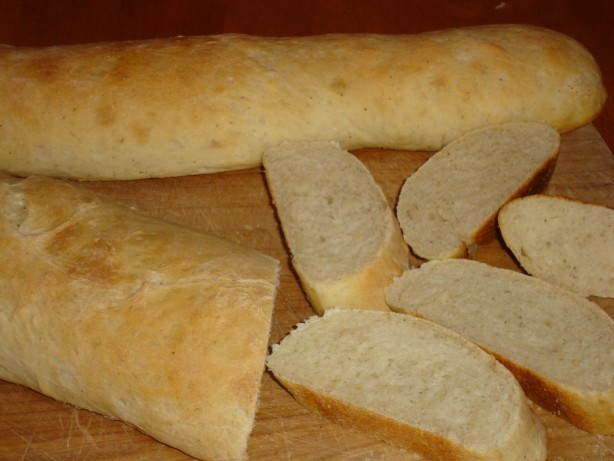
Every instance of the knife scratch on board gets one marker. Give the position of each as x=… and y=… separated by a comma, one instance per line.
x=600, y=443
x=83, y=429
x=18, y=432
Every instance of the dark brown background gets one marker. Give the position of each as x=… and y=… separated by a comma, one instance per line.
x=46, y=22
x=236, y=205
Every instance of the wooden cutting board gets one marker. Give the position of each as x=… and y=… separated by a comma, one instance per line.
x=236, y=205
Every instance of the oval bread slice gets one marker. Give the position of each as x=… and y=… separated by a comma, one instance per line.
x=558, y=344
x=408, y=382
x=345, y=242
x=564, y=241
x=451, y=202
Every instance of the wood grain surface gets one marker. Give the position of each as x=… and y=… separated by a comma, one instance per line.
x=236, y=205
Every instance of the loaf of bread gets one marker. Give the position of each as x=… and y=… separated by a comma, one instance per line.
x=345, y=242
x=137, y=319
x=451, y=202
x=190, y=105
x=408, y=382
x=559, y=345
x=564, y=241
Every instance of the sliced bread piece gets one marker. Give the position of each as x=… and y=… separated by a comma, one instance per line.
x=345, y=242
x=408, y=382
x=559, y=345
x=564, y=241
x=451, y=202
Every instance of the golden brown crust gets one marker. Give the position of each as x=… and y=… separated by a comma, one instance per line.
x=378, y=426
x=412, y=438
x=200, y=104
x=137, y=319
x=592, y=414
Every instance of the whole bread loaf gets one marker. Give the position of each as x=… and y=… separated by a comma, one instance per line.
x=411, y=383
x=451, y=202
x=559, y=345
x=137, y=319
x=345, y=241
x=564, y=241
x=190, y=105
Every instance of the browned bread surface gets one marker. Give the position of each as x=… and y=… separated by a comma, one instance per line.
x=189, y=105
x=137, y=319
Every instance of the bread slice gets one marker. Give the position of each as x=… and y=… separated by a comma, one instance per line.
x=345, y=242
x=157, y=325
x=559, y=345
x=564, y=241
x=408, y=382
x=451, y=202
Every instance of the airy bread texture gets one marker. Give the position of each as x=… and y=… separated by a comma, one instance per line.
x=137, y=319
x=345, y=242
x=451, y=202
x=564, y=241
x=189, y=105
x=559, y=345
x=408, y=382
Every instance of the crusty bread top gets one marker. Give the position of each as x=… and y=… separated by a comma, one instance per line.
x=345, y=242
x=141, y=320
x=188, y=105
x=414, y=373
x=451, y=202
x=564, y=241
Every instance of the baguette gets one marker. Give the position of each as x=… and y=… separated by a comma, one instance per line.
x=559, y=345
x=136, y=319
x=189, y=105
x=345, y=242
x=450, y=203
x=408, y=382
x=564, y=241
